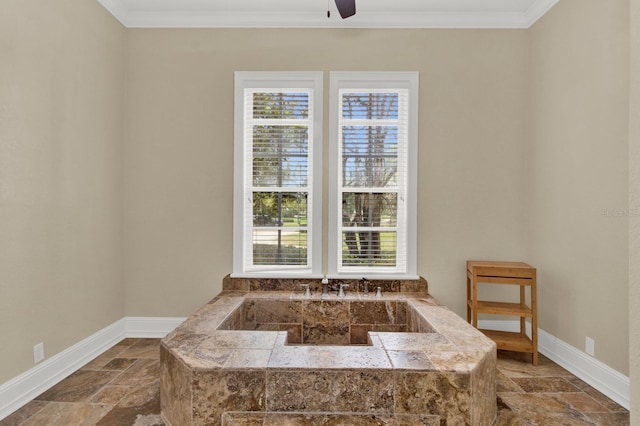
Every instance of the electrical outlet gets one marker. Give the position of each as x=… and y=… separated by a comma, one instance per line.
x=590, y=346
x=38, y=352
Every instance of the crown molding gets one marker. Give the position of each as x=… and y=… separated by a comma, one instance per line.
x=537, y=10
x=193, y=17
x=117, y=9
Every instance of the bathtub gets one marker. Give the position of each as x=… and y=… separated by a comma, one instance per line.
x=262, y=353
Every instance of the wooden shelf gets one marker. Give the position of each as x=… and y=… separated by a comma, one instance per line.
x=502, y=308
x=509, y=341
x=506, y=273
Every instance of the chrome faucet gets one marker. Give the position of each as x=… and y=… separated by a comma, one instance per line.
x=307, y=290
x=325, y=287
x=341, y=290
x=365, y=283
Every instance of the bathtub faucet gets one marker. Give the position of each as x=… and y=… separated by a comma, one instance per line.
x=325, y=287
x=365, y=284
x=307, y=290
x=341, y=291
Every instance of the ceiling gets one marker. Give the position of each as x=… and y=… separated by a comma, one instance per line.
x=313, y=13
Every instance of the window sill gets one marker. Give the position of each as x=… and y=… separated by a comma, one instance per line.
x=278, y=274
x=302, y=275
x=372, y=277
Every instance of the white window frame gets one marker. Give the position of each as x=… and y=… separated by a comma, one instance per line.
x=373, y=81
x=242, y=237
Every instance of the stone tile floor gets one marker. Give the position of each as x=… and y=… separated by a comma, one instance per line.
x=121, y=387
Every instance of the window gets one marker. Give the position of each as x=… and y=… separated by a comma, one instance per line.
x=277, y=181
x=373, y=176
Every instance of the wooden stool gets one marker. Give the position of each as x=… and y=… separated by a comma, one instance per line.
x=513, y=273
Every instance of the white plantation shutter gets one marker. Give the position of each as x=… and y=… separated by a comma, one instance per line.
x=373, y=176
x=277, y=185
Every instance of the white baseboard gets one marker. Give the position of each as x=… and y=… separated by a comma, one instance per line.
x=21, y=389
x=610, y=382
x=18, y=391
x=150, y=327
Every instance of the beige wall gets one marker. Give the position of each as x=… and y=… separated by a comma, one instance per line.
x=634, y=205
x=577, y=167
x=61, y=65
x=522, y=148
x=179, y=148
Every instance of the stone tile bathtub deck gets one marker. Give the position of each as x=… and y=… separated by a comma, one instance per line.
x=256, y=354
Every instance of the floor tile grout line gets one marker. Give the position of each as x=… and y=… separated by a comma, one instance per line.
x=45, y=403
x=107, y=384
x=522, y=413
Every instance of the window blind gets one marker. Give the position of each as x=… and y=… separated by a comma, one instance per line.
x=373, y=141
x=278, y=135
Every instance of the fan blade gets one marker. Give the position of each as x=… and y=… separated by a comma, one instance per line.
x=346, y=8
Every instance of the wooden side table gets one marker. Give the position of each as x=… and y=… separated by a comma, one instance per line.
x=510, y=273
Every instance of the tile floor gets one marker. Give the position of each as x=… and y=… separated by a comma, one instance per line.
x=121, y=387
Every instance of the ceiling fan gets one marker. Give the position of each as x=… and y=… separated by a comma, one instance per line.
x=346, y=8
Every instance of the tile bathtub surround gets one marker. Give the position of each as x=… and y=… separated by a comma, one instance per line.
x=320, y=390
x=330, y=321
x=581, y=405
x=274, y=284
x=236, y=355
x=326, y=419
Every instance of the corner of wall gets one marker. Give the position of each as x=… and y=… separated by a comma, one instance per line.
x=634, y=206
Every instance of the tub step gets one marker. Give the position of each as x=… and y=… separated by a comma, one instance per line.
x=329, y=419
